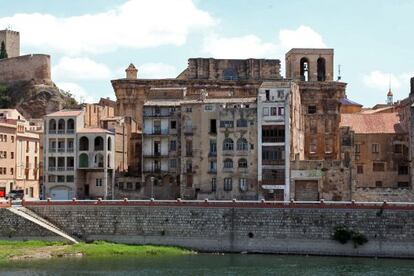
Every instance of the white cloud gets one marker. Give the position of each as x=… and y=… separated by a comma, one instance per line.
x=302, y=37
x=157, y=70
x=78, y=92
x=381, y=80
x=80, y=69
x=134, y=24
x=251, y=46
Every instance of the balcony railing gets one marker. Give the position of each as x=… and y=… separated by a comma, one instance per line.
x=154, y=170
x=61, y=169
x=69, y=149
x=52, y=169
x=276, y=181
x=70, y=168
x=52, y=131
x=157, y=131
x=273, y=162
x=61, y=149
x=52, y=149
x=273, y=139
x=61, y=131
x=70, y=131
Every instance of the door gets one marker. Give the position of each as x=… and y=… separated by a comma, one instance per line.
x=86, y=190
x=306, y=190
x=60, y=193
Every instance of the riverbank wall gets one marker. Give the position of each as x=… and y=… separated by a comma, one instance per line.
x=260, y=227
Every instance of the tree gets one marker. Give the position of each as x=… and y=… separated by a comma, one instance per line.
x=3, y=52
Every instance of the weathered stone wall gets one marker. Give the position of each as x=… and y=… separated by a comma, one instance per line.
x=15, y=227
x=252, y=228
x=26, y=68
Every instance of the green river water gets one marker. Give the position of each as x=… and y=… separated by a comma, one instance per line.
x=208, y=264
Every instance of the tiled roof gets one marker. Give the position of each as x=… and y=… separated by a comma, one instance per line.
x=372, y=123
x=93, y=130
x=65, y=113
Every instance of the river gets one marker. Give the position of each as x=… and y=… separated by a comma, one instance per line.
x=208, y=264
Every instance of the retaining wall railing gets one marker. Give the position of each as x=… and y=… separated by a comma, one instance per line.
x=227, y=204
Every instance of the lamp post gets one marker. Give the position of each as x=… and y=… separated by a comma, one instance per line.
x=152, y=186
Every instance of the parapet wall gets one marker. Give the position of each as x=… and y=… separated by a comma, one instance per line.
x=290, y=228
x=26, y=68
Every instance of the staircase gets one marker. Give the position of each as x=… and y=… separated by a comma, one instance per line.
x=33, y=217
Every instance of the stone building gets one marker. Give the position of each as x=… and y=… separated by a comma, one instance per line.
x=273, y=118
x=11, y=40
x=19, y=155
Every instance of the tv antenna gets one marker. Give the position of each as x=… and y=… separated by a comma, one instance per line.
x=339, y=72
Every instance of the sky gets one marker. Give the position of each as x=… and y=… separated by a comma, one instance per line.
x=92, y=42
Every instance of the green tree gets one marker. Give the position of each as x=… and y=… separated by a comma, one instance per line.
x=4, y=98
x=3, y=52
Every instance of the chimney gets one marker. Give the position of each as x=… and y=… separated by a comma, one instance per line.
x=131, y=72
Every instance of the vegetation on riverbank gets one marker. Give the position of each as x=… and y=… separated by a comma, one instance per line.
x=18, y=250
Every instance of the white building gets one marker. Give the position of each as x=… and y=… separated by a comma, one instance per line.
x=77, y=160
x=273, y=139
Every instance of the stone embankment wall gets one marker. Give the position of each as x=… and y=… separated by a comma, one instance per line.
x=14, y=227
x=239, y=227
x=26, y=68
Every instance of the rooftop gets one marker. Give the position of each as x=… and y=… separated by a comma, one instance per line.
x=380, y=123
x=345, y=101
x=94, y=130
x=65, y=113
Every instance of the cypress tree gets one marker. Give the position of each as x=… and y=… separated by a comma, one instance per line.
x=3, y=52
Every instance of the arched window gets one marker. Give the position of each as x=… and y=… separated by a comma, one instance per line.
x=71, y=126
x=99, y=143
x=321, y=69
x=228, y=163
x=304, y=69
x=52, y=126
x=242, y=144
x=229, y=74
x=61, y=126
x=228, y=144
x=109, y=143
x=83, y=161
x=84, y=143
x=242, y=163
x=99, y=160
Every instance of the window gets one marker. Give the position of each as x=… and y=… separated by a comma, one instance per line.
x=208, y=107
x=378, y=167
x=265, y=111
x=173, y=145
x=52, y=178
x=121, y=185
x=188, y=147
x=360, y=169
x=12, y=139
x=403, y=170
x=129, y=186
x=228, y=184
x=11, y=171
x=312, y=109
x=188, y=109
x=242, y=163
x=173, y=124
x=228, y=144
x=228, y=163
x=313, y=127
x=173, y=163
x=83, y=143
x=267, y=95
x=399, y=148
x=60, y=178
x=226, y=124
x=189, y=181
x=212, y=166
x=357, y=148
x=27, y=146
x=69, y=178
x=242, y=144
x=213, y=126
x=214, y=184
x=280, y=94
x=313, y=145
x=328, y=126
x=242, y=123
x=281, y=111
x=213, y=147
x=273, y=111
x=98, y=182
x=243, y=184
x=5, y=138
x=378, y=184
x=328, y=145
x=375, y=148
x=403, y=185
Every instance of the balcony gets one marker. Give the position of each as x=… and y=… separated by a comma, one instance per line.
x=157, y=131
x=69, y=168
x=273, y=162
x=70, y=131
x=212, y=170
x=273, y=139
x=61, y=169
x=51, y=169
x=61, y=149
x=154, y=170
x=155, y=155
x=52, y=131
x=52, y=149
x=161, y=113
x=61, y=131
x=212, y=154
x=275, y=181
x=69, y=150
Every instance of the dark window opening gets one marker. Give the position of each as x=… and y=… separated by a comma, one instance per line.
x=213, y=126
x=321, y=69
x=304, y=69
x=312, y=109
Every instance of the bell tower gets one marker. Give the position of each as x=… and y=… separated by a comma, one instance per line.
x=11, y=40
x=310, y=64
